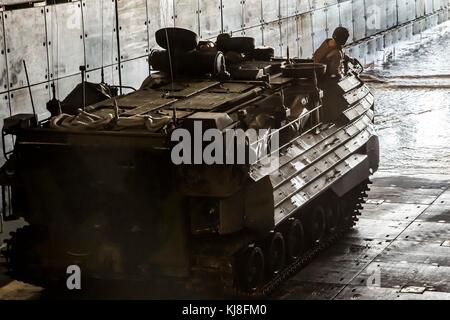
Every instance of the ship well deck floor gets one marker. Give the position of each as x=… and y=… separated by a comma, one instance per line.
x=400, y=248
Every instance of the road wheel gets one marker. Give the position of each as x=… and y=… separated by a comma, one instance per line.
x=276, y=254
x=295, y=240
x=252, y=269
x=333, y=215
x=318, y=224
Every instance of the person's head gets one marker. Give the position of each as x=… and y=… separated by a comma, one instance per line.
x=341, y=35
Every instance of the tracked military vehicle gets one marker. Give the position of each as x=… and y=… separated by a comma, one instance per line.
x=99, y=188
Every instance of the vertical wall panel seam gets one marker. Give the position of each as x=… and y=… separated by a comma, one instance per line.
x=47, y=49
x=312, y=31
x=353, y=20
x=280, y=43
x=84, y=34
x=261, y=15
x=198, y=18
x=415, y=8
x=365, y=18
x=6, y=65
x=174, y=12
x=147, y=23
x=119, y=59
x=221, y=16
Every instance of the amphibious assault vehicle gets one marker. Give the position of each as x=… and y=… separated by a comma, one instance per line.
x=100, y=188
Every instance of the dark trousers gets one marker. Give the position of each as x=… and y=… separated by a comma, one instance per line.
x=333, y=101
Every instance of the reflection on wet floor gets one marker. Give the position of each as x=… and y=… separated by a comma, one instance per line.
x=413, y=108
x=414, y=127
x=401, y=246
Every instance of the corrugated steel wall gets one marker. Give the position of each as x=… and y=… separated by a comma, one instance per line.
x=56, y=39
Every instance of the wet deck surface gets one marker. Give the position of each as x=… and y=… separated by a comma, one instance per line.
x=400, y=248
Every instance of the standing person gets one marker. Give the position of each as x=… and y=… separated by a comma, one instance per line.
x=331, y=52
